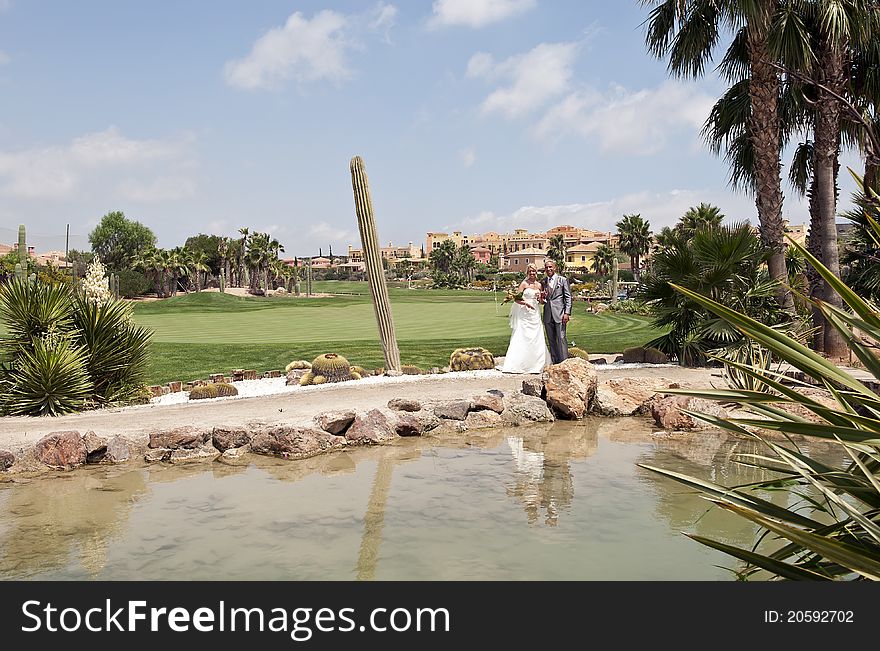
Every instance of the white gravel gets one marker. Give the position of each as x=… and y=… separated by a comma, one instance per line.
x=277, y=386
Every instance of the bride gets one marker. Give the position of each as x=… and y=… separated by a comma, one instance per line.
x=527, y=352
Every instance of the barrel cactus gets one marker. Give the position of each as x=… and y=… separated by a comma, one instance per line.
x=212, y=390
x=471, y=359
x=329, y=367
x=574, y=351
x=409, y=369
x=297, y=364
x=360, y=371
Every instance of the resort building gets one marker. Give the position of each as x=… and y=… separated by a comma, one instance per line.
x=519, y=260
x=580, y=257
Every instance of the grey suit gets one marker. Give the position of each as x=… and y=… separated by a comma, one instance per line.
x=557, y=303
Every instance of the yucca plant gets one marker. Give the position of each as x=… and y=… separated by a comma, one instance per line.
x=840, y=539
x=48, y=379
x=117, y=350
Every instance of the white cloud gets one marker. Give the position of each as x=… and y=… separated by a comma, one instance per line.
x=468, y=156
x=97, y=161
x=660, y=209
x=475, y=13
x=383, y=18
x=535, y=77
x=629, y=122
x=302, y=50
x=329, y=234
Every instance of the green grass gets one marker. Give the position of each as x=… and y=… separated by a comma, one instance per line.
x=199, y=334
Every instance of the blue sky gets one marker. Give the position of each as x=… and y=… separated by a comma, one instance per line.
x=210, y=115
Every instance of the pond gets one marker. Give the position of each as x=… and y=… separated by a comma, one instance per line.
x=555, y=502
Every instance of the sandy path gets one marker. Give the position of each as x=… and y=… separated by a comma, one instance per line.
x=297, y=407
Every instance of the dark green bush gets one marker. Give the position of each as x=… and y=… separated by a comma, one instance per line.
x=133, y=283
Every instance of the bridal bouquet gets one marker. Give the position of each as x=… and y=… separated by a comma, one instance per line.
x=512, y=296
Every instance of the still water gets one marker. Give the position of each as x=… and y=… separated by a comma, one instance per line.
x=556, y=502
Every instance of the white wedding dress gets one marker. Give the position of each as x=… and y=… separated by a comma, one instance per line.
x=527, y=352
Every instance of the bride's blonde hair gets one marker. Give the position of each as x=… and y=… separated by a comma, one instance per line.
x=531, y=265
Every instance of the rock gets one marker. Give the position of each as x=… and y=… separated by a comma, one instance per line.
x=234, y=456
x=519, y=408
x=335, y=422
x=571, y=387
x=294, y=375
x=618, y=359
x=453, y=409
x=434, y=370
x=118, y=450
x=227, y=438
x=175, y=386
x=667, y=412
x=655, y=356
x=816, y=394
x=408, y=424
x=634, y=355
x=487, y=401
x=392, y=373
x=294, y=442
x=629, y=396
x=96, y=447
x=184, y=455
x=533, y=387
x=6, y=460
x=249, y=374
x=428, y=420
x=599, y=360
x=404, y=404
x=371, y=427
x=186, y=436
x=61, y=450
x=482, y=419
x=155, y=390
x=154, y=455
x=495, y=392
x=217, y=377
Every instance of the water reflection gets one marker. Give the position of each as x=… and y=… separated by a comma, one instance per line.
x=77, y=515
x=548, y=501
x=542, y=479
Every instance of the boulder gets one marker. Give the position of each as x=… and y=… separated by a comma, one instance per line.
x=520, y=408
x=428, y=419
x=6, y=459
x=227, y=438
x=61, y=450
x=118, y=450
x=96, y=447
x=234, y=456
x=816, y=394
x=571, y=387
x=629, y=396
x=185, y=436
x=335, y=422
x=487, y=401
x=155, y=455
x=293, y=442
x=371, y=427
x=533, y=387
x=408, y=424
x=482, y=419
x=294, y=376
x=404, y=404
x=667, y=412
x=184, y=455
x=655, y=356
x=453, y=409
x=634, y=355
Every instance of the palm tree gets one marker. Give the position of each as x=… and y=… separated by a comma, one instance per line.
x=442, y=257
x=465, y=263
x=556, y=251
x=603, y=260
x=242, y=252
x=199, y=265
x=703, y=216
x=635, y=240
x=688, y=32
x=725, y=264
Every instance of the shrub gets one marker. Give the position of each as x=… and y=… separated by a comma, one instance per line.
x=133, y=283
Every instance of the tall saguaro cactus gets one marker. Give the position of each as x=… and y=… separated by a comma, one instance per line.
x=373, y=261
x=22, y=248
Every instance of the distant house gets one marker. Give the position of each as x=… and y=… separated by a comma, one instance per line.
x=580, y=257
x=481, y=254
x=519, y=260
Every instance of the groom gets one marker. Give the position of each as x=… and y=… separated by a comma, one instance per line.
x=557, y=311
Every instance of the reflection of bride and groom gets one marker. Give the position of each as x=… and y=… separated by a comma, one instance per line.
x=527, y=352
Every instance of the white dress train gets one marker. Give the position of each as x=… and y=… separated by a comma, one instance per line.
x=527, y=352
